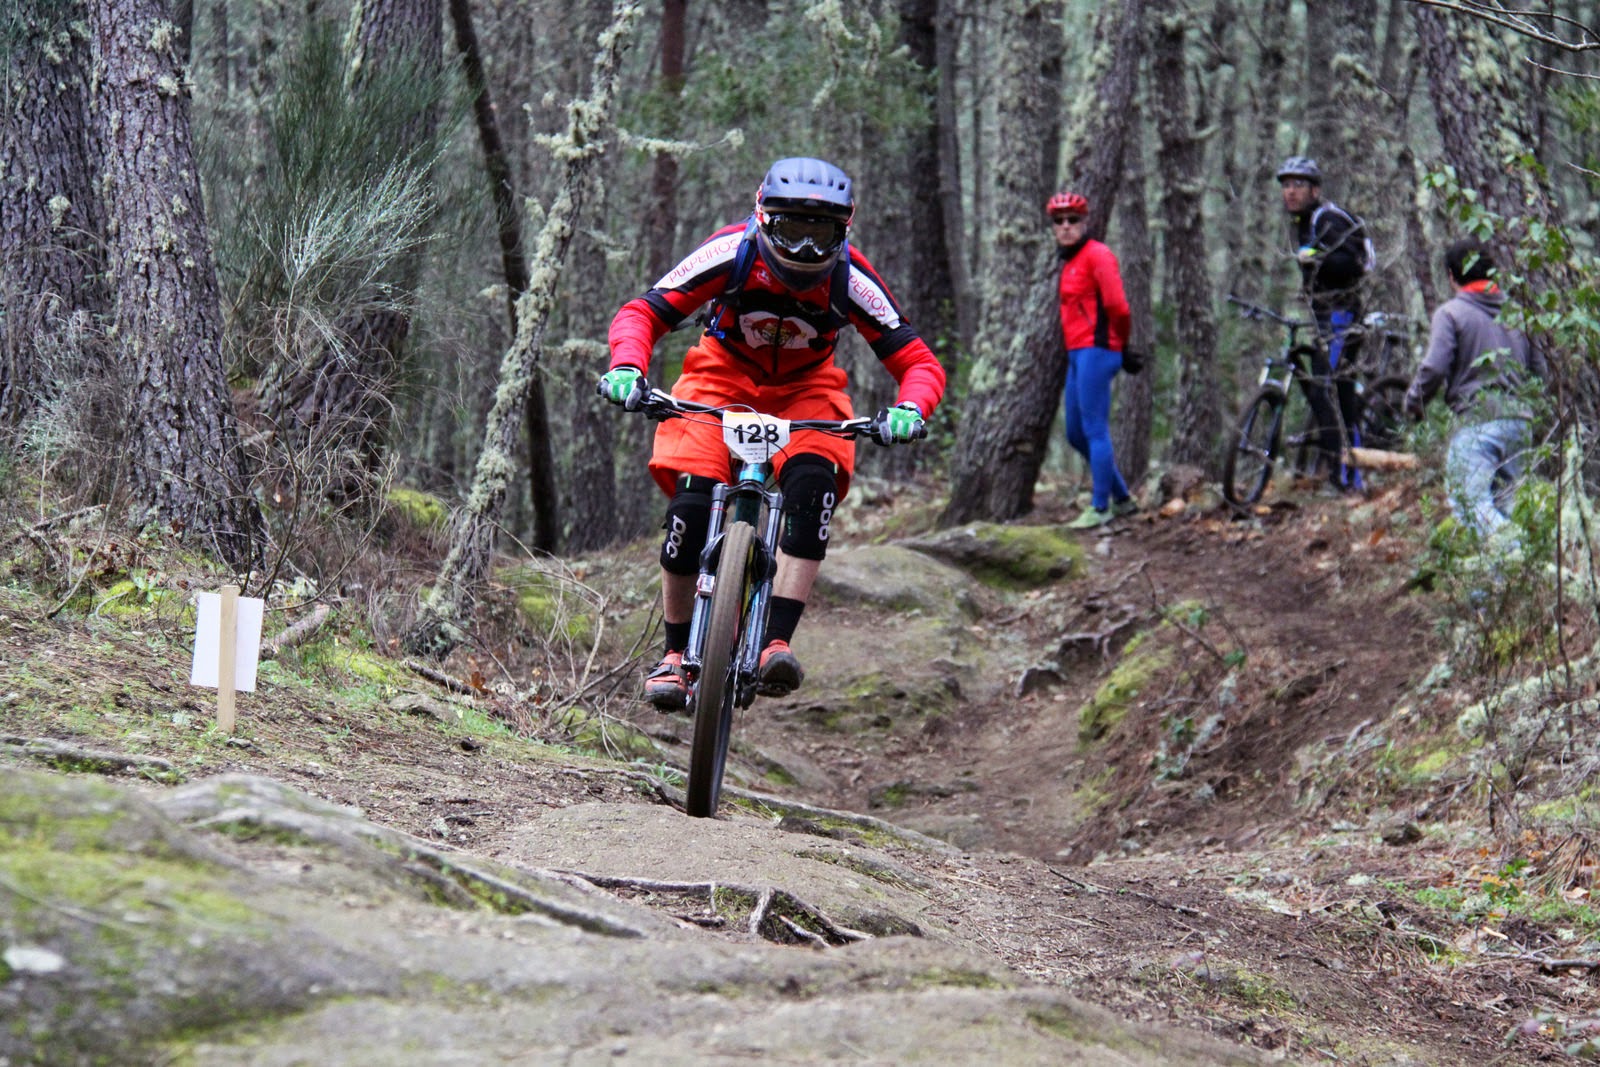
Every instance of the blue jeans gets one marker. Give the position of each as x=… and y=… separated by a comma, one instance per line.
x=1087, y=398
x=1482, y=469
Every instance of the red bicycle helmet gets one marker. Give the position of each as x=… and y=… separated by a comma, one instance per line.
x=1065, y=203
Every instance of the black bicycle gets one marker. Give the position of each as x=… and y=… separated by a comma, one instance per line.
x=1261, y=441
x=734, y=589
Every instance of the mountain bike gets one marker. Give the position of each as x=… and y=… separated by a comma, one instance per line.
x=733, y=590
x=1260, y=441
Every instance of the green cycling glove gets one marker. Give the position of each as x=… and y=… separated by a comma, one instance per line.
x=904, y=421
x=618, y=384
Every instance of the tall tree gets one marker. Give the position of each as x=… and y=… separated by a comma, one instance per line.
x=1004, y=430
x=1343, y=110
x=911, y=232
x=1135, y=400
x=51, y=262
x=1197, y=427
x=951, y=211
x=185, y=464
x=663, y=214
x=446, y=609
x=1102, y=121
x=543, y=490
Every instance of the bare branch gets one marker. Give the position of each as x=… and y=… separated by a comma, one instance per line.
x=1521, y=21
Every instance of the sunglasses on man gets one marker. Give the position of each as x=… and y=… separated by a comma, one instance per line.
x=808, y=238
x=1066, y=220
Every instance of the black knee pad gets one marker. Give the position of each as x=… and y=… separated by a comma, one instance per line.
x=688, y=519
x=810, y=493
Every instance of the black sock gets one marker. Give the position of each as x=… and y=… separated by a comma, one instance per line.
x=677, y=636
x=783, y=618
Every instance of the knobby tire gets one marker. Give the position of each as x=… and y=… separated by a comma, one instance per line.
x=714, y=693
x=1248, y=467
x=1383, y=421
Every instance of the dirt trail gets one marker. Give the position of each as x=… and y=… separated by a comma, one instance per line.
x=1294, y=630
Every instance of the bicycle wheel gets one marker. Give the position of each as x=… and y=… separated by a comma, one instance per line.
x=1383, y=421
x=1248, y=467
x=713, y=695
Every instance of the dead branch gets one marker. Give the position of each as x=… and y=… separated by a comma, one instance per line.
x=297, y=634
x=1377, y=460
x=1548, y=964
x=438, y=677
x=31, y=531
x=1090, y=887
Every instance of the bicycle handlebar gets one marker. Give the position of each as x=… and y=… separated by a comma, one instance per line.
x=1256, y=311
x=660, y=405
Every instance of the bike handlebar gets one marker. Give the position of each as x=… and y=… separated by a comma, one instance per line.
x=660, y=405
x=1256, y=311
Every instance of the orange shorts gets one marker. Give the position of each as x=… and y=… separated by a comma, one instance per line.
x=710, y=376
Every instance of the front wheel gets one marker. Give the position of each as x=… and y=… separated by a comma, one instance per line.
x=713, y=697
x=1248, y=467
x=1383, y=420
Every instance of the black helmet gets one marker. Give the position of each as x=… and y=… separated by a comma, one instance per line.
x=1301, y=167
x=803, y=211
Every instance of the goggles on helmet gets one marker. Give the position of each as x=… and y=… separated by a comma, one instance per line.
x=805, y=238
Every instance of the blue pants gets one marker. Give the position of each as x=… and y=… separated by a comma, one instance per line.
x=1482, y=470
x=1087, y=398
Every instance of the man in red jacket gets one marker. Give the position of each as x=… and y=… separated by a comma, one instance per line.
x=781, y=285
x=1094, y=329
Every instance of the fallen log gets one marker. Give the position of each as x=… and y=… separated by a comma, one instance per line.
x=1378, y=460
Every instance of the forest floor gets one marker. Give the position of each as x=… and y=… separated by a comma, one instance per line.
x=1277, y=843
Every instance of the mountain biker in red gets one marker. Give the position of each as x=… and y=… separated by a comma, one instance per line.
x=1335, y=255
x=1094, y=328
x=781, y=284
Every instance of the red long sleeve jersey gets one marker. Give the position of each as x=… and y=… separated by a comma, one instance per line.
x=1094, y=308
x=773, y=334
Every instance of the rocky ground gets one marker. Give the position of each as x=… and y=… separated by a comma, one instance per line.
x=1191, y=770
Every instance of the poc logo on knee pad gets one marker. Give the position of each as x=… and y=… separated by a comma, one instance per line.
x=826, y=517
x=676, y=528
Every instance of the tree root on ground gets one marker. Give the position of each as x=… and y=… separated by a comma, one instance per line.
x=775, y=914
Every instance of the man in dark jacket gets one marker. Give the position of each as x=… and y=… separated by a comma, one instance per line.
x=1482, y=367
x=1334, y=254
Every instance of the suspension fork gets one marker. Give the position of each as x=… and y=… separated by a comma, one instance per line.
x=746, y=497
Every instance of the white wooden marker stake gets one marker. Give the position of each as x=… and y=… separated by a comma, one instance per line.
x=227, y=642
x=227, y=656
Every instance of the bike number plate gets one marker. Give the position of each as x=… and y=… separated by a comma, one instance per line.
x=753, y=437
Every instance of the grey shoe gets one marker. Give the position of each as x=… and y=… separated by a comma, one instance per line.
x=1126, y=506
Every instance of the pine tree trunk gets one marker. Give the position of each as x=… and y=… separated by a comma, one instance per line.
x=662, y=242
x=1342, y=103
x=1132, y=419
x=1094, y=145
x=1018, y=363
x=1258, y=265
x=951, y=213
x=51, y=263
x=446, y=609
x=911, y=247
x=185, y=465
x=1198, y=423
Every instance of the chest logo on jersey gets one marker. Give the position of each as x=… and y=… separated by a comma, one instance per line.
x=763, y=329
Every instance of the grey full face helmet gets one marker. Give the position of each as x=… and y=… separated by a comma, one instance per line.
x=803, y=212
